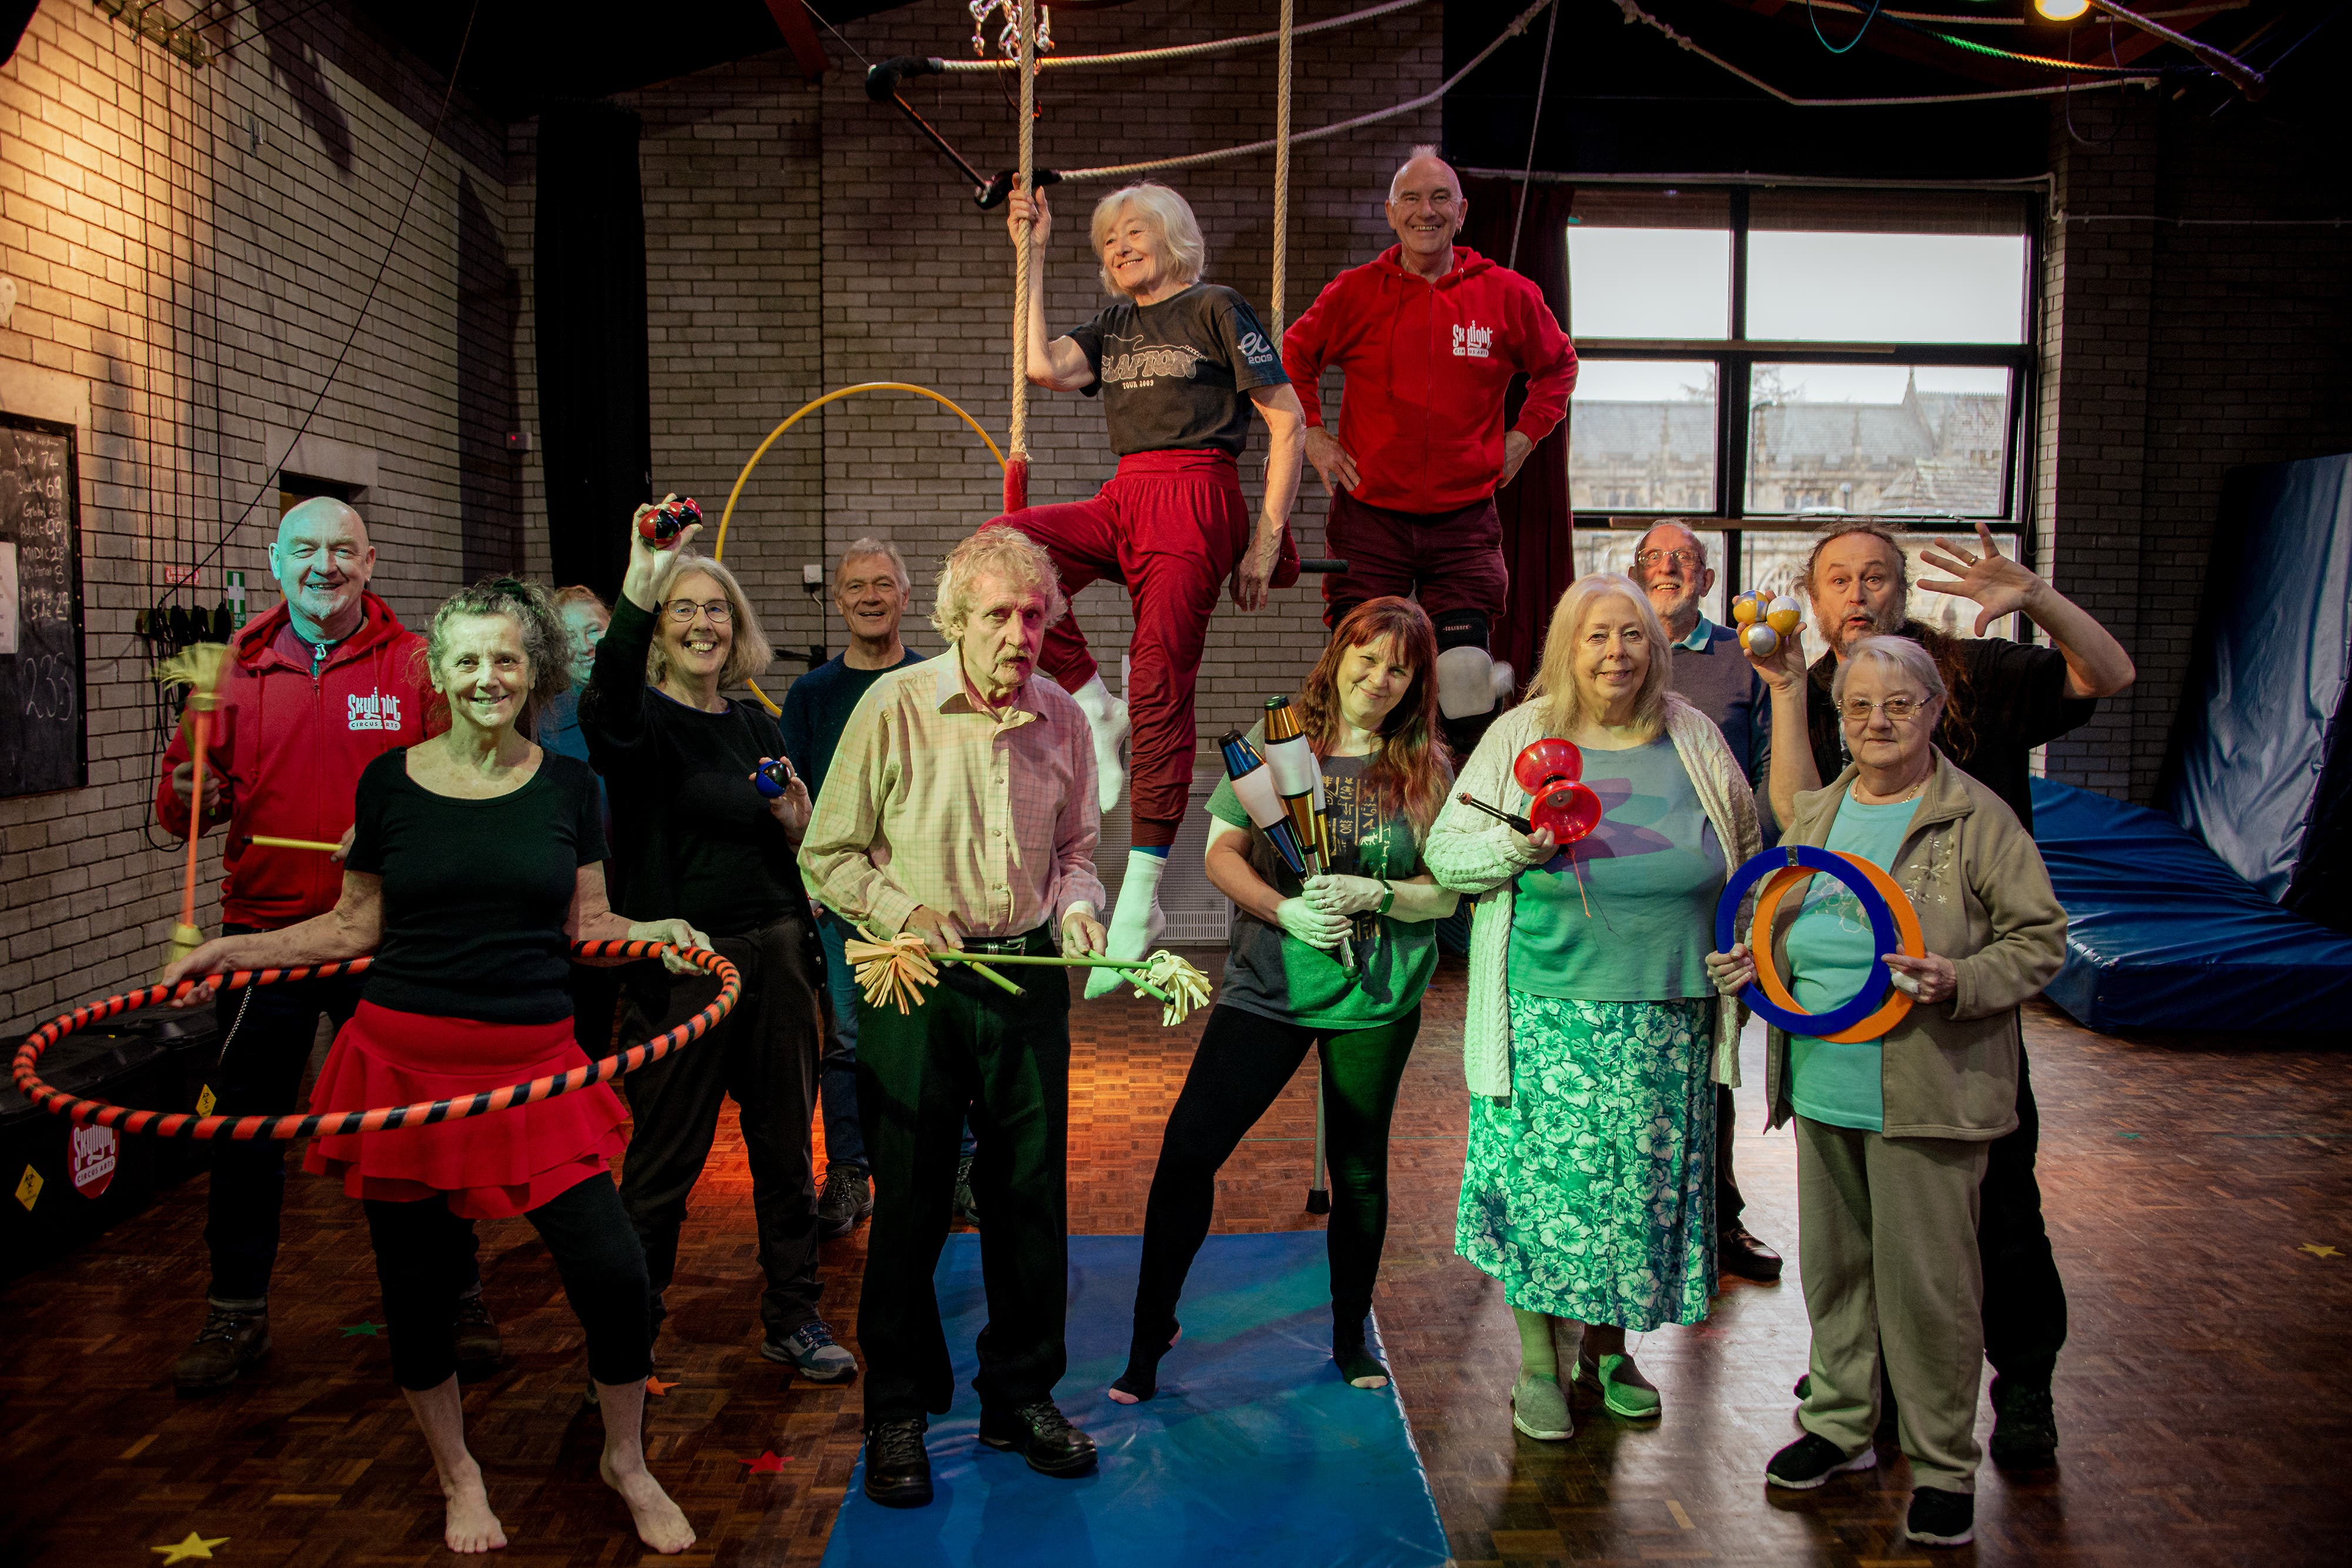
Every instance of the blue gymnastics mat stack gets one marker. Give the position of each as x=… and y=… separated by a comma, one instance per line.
x=1254, y=1453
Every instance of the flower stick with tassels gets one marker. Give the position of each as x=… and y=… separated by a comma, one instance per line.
x=199, y=667
x=896, y=971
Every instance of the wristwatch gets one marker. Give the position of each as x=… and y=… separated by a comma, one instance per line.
x=1387, y=896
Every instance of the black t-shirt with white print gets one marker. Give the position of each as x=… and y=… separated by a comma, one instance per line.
x=1174, y=376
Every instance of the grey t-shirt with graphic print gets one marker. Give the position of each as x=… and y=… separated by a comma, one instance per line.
x=1173, y=376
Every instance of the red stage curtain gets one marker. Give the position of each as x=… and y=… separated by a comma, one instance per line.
x=1534, y=507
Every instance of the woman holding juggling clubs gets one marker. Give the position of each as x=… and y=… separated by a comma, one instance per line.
x=708, y=817
x=1892, y=1132
x=476, y=858
x=1594, y=1038
x=1369, y=713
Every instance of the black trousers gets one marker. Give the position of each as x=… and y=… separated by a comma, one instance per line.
x=266, y=1032
x=425, y=1260
x=764, y=1055
x=967, y=1048
x=1243, y=1062
x=2024, y=1299
x=1728, y=1204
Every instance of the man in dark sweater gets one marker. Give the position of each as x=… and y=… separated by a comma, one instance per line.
x=1710, y=673
x=869, y=588
x=2006, y=698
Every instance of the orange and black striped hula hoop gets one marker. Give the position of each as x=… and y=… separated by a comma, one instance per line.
x=423, y=1114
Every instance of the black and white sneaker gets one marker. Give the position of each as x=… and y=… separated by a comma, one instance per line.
x=1941, y=1518
x=1811, y=1461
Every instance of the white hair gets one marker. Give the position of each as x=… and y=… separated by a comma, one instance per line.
x=870, y=545
x=1898, y=653
x=1006, y=554
x=1420, y=151
x=1687, y=532
x=1167, y=215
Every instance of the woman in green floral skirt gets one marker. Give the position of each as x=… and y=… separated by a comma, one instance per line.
x=1594, y=1038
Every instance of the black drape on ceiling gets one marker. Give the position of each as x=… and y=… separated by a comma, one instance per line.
x=596, y=410
x=1537, y=543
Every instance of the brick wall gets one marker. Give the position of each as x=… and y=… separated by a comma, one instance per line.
x=190, y=247
x=786, y=258
x=2177, y=351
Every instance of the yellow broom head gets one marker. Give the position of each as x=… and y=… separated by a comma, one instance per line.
x=199, y=666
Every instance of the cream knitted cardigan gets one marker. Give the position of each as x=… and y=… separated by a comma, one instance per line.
x=1473, y=854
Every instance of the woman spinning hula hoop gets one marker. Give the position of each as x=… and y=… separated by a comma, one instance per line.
x=1178, y=363
x=1369, y=712
x=477, y=859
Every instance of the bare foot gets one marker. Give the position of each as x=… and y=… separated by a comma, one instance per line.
x=660, y=1524
x=470, y=1526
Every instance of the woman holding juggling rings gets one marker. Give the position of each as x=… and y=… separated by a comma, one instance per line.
x=1594, y=1038
x=693, y=831
x=1369, y=710
x=476, y=859
x=1180, y=364
x=1892, y=1132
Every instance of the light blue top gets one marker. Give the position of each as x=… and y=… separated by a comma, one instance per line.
x=1633, y=918
x=1700, y=636
x=1831, y=953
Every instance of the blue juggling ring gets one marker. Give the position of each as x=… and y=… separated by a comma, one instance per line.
x=1884, y=936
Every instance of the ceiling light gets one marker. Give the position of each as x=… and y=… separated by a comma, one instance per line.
x=2062, y=10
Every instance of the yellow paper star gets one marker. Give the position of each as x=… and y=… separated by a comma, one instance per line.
x=193, y=1547
x=2319, y=1250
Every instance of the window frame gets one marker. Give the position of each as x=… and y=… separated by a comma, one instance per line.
x=1735, y=359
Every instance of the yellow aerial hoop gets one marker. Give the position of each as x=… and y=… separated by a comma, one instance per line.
x=719, y=543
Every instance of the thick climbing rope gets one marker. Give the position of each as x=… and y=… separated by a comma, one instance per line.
x=1016, y=466
x=1180, y=51
x=1282, y=169
x=1194, y=159
x=335, y=1124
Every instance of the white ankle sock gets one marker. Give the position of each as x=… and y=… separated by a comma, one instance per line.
x=1107, y=719
x=1136, y=922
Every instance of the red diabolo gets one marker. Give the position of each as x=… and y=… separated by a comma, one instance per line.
x=1551, y=770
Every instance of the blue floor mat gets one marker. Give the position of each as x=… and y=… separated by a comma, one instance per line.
x=2161, y=934
x=1255, y=1452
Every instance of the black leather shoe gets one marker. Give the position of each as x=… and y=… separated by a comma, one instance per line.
x=233, y=1340
x=898, y=1470
x=1041, y=1435
x=2025, y=1426
x=1741, y=1255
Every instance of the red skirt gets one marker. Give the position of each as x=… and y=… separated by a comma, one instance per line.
x=488, y=1167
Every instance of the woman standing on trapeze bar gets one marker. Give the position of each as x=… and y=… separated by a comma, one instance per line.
x=1177, y=362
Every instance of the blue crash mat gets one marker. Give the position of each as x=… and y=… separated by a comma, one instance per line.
x=2161, y=934
x=1253, y=1452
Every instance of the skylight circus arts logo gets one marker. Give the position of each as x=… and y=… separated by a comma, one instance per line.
x=373, y=711
x=1473, y=341
x=1141, y=367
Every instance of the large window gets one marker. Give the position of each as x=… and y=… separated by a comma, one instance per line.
x=1759, y=361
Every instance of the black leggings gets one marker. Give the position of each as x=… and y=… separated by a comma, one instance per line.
x=424, y=1255
x=1243, y=1062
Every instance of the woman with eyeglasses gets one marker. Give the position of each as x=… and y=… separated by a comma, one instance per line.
x=1892, y=1132
x=692, y=830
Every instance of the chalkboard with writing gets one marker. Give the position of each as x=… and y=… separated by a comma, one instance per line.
x=41, y=741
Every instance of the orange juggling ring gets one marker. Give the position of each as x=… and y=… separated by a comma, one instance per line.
x=1895, y=924
x=425, y=1113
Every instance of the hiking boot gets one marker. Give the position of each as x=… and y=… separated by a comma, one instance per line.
x=1042, y=1435
x=481, y=1352
x=898, y=1469
x=233, y=1340
x=2025, y=1426
x=847, y=1198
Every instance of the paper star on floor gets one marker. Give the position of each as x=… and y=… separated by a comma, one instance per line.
x=373, y=1330
x=768, y=1464
x=657, y=1388
x=2318, y=1249
x=193, y=1547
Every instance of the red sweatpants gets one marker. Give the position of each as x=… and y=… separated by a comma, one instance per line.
x=1170, y=527
x=1450, y=561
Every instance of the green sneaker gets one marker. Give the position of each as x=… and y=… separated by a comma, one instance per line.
x=1622, y=1386
x=1540, y=1408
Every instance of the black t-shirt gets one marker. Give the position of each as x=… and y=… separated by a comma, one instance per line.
x=2015, y=699
x=1173, y=375
x=693, y=837
x=476, y=891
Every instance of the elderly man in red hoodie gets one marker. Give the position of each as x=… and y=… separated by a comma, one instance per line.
x=1428, y=336
x=317, y=689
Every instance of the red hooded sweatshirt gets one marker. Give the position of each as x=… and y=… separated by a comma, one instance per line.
x=1427, y=365
x=292, y=747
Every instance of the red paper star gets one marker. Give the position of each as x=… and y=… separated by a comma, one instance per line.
x=657, y=1388
x=768, y=1464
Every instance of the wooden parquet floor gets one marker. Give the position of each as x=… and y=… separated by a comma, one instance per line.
x=2205, y=1399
